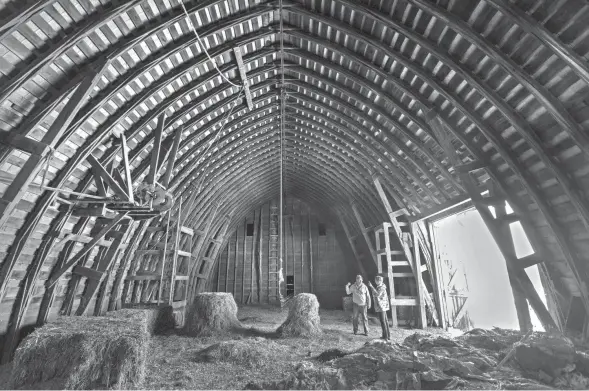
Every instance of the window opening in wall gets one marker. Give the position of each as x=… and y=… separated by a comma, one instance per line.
x=474, y=272
x=290, y=287
x=250, y=230
x=322, y=229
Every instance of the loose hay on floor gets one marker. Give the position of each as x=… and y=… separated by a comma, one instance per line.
x=303, y=317
x=211, y=313
x=247, y=352
x=84, y=353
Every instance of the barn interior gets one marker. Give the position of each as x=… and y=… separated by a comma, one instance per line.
x=165, y=163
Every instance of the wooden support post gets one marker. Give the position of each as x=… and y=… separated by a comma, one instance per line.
x=155, y=152
x=127, y=169
x=356, y=255
x=172, y=157
x=244, y=253
x=390, y=276
x=260, y=257
x=521, y=281
x=420, y=284
x=364, y=232
x=235, y=265
x=227, y=266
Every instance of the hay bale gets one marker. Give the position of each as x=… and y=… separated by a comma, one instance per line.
x=212, y=313
x=155, y=320
x=248, y=352
x=303, y=317
x=83, y=353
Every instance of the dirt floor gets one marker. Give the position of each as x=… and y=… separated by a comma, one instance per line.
x=176, y=361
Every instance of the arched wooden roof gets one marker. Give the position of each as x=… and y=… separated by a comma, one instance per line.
x=510, y=79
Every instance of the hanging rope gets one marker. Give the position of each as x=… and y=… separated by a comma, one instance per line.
x=203, y=47
x=281, y=278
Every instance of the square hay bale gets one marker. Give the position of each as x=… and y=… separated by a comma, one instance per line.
x=76, y=352
x=155, y=320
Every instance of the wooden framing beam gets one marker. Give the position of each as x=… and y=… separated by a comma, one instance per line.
x=519, y=279
x=353, y=247
x=89, y=246
x=156, y=149
x=127, y=169
x=364, y=232
x=113, y=184
x=172, y=157
x=243, y=75
x=20, y=185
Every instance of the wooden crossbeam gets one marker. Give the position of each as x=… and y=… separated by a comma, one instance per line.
x=243, y=75
x=112, y=183
x=24, y=143
x=89, y=246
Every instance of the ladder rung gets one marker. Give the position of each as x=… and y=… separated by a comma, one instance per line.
x=184, y=253
x=399, y=263
x=187, y=231
x=400, y=212
x=181, y=278
x=397, y=252
x=402, y=275
x=144, y=277
x=404, y=301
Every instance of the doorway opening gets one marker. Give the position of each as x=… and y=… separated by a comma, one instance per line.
x=473, y=273
x=290, y=287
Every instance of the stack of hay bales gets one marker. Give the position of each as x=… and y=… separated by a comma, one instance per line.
x=78, y=352
x=303, y=317
x=210, y=313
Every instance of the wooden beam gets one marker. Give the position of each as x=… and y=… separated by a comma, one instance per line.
x=518, y=277
x=354, y=251
x=127, y=169
x=20, y=185
x=172, y=157
x=24, y=143
x=105, y=175
x=243, y=75
x=86, y=249
x=364, y=233
x=155, y=152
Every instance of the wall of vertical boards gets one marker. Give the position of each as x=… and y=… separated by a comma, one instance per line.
x=314, y=261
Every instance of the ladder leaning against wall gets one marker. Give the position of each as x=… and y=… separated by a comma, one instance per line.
x=160, y=275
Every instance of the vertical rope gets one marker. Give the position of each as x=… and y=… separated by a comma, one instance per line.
x=281, y=141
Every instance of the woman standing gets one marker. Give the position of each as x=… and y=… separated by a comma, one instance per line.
x=381, y=305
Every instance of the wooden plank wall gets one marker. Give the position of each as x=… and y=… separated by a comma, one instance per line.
x=238, y=268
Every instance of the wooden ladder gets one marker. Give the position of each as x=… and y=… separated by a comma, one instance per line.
x=162, y=270
x=397, y=253
x=274, y=295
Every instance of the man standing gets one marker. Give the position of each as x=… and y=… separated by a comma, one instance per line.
x=361, y=301
x=381, y=305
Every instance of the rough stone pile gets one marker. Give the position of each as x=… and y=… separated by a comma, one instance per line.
x=480, y=359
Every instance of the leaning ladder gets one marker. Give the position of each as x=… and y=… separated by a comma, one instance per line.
x=397, y=253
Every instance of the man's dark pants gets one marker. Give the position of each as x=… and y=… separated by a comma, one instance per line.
x=360, y=310
x=384, y=324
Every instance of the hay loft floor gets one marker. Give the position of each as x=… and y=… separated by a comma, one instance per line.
x=177, y=362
